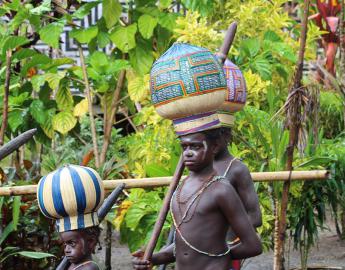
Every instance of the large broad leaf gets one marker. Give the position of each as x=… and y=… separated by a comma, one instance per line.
x=251, y=47
x=50, y=34
x=24, y=53
x=35, y=255
x=167, y=20
x=81, y=108
x=36, y=60
x=84, y=35
x=103, y=39
x=124, y=37
x=58, y=62
x=15, y=119
x=8, y=229
x=64, y=98
x=111, y=12
x=54, y=79
x=141, y=59
x=154, y=170
x=85, y=9
x=99, y=61
x=147, y=24
x=64, y=122
x=117, y=65
x=37, y=110
x=21, y=15
x=37, y=82
x=204, y=7
x=15, y=211
x=13, y=42
x=48, y=125
x=138, y=86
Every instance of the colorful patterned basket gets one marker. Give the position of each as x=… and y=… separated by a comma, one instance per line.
x=236, y=94
x=186, y=80
x=72, y=195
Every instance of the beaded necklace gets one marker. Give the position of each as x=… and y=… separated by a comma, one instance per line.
x=177, y=226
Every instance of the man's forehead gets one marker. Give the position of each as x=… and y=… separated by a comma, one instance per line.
x=195, y=137
x=71, y=235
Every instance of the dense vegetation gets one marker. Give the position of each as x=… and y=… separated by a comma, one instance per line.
x=109, y=124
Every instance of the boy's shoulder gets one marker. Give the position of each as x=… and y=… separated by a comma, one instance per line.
x=90, y=266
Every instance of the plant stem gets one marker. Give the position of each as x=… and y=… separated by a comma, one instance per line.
x=6, y=93
x=110, y=119
x=293, y=137
x=89, y=101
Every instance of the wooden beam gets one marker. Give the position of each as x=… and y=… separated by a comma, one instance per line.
x=165, y=181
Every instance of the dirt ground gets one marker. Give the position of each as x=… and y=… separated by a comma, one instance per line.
x=328, y=252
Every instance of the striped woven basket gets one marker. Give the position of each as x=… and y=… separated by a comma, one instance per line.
x=71, y=195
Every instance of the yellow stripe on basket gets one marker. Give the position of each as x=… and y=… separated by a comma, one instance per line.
x=67, y=192
x=47, y=196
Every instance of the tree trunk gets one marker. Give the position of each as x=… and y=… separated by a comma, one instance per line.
x=6, y=93
x=89, y=101
x=293, y=124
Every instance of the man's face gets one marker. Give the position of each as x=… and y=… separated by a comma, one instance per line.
x=75, y=246
x=197, y=152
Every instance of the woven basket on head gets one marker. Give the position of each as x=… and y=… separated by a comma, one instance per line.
x=186, y=80
x=71, y=195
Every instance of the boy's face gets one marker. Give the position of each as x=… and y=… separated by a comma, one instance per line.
x=76, y=247
x=197, y=151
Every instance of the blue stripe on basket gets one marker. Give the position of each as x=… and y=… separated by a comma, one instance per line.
x=192, y=117
x=40, y=197
x=78, y=189
x=97, y=186
x=81, y=221
x=198, y=129
x=56, y=194
x=67, y=223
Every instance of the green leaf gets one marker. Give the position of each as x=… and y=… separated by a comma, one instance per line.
x=111, y=12
x=37, y=82
x=54, y=79
x=50, y=34
x=272, y=36
x=168, y=20
x=141, y=59
x=64, y=122
x=21, y=16
x=85, y=10
x=58, y=62
x=23, y=53
x=164, y=3
x=263, y=67
x=64, y=98
x=84, y=35
x=18, y=100
x=48, y=126
x=15, y=119
x=44, y=7
x=251, y=47
x=137, y=87
x=124, y=37
x=36, y=60
x=118, y=65
x=154, y=170
x=35, y=255
x=16, y=211
x=12, y=42
x=99, y=61
x=103, y=39
x=37, y=110
x=147, y=24
x=204, y=7
x=8, y=229
x=316, y=161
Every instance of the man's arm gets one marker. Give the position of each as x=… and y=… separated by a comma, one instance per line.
x=244, y=186
x=164, y=256
x=230, y=204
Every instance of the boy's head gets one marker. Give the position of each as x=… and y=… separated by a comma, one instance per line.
x=80, y=244
x=200, y=148
x=223, y=138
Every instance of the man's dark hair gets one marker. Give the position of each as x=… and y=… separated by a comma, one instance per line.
x=215, y=134
x=93, y=232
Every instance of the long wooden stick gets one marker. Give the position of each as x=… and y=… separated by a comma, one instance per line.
x=164, y=210
x=15, y=143
x=165, y=181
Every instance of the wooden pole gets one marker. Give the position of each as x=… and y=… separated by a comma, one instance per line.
x=165, y=181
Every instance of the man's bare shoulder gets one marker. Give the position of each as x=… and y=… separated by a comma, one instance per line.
x=223, y=188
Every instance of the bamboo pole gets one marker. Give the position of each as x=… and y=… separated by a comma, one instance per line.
x=165, y=181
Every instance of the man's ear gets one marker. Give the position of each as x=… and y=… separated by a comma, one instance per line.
x=92, y=243
x=216, y=147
